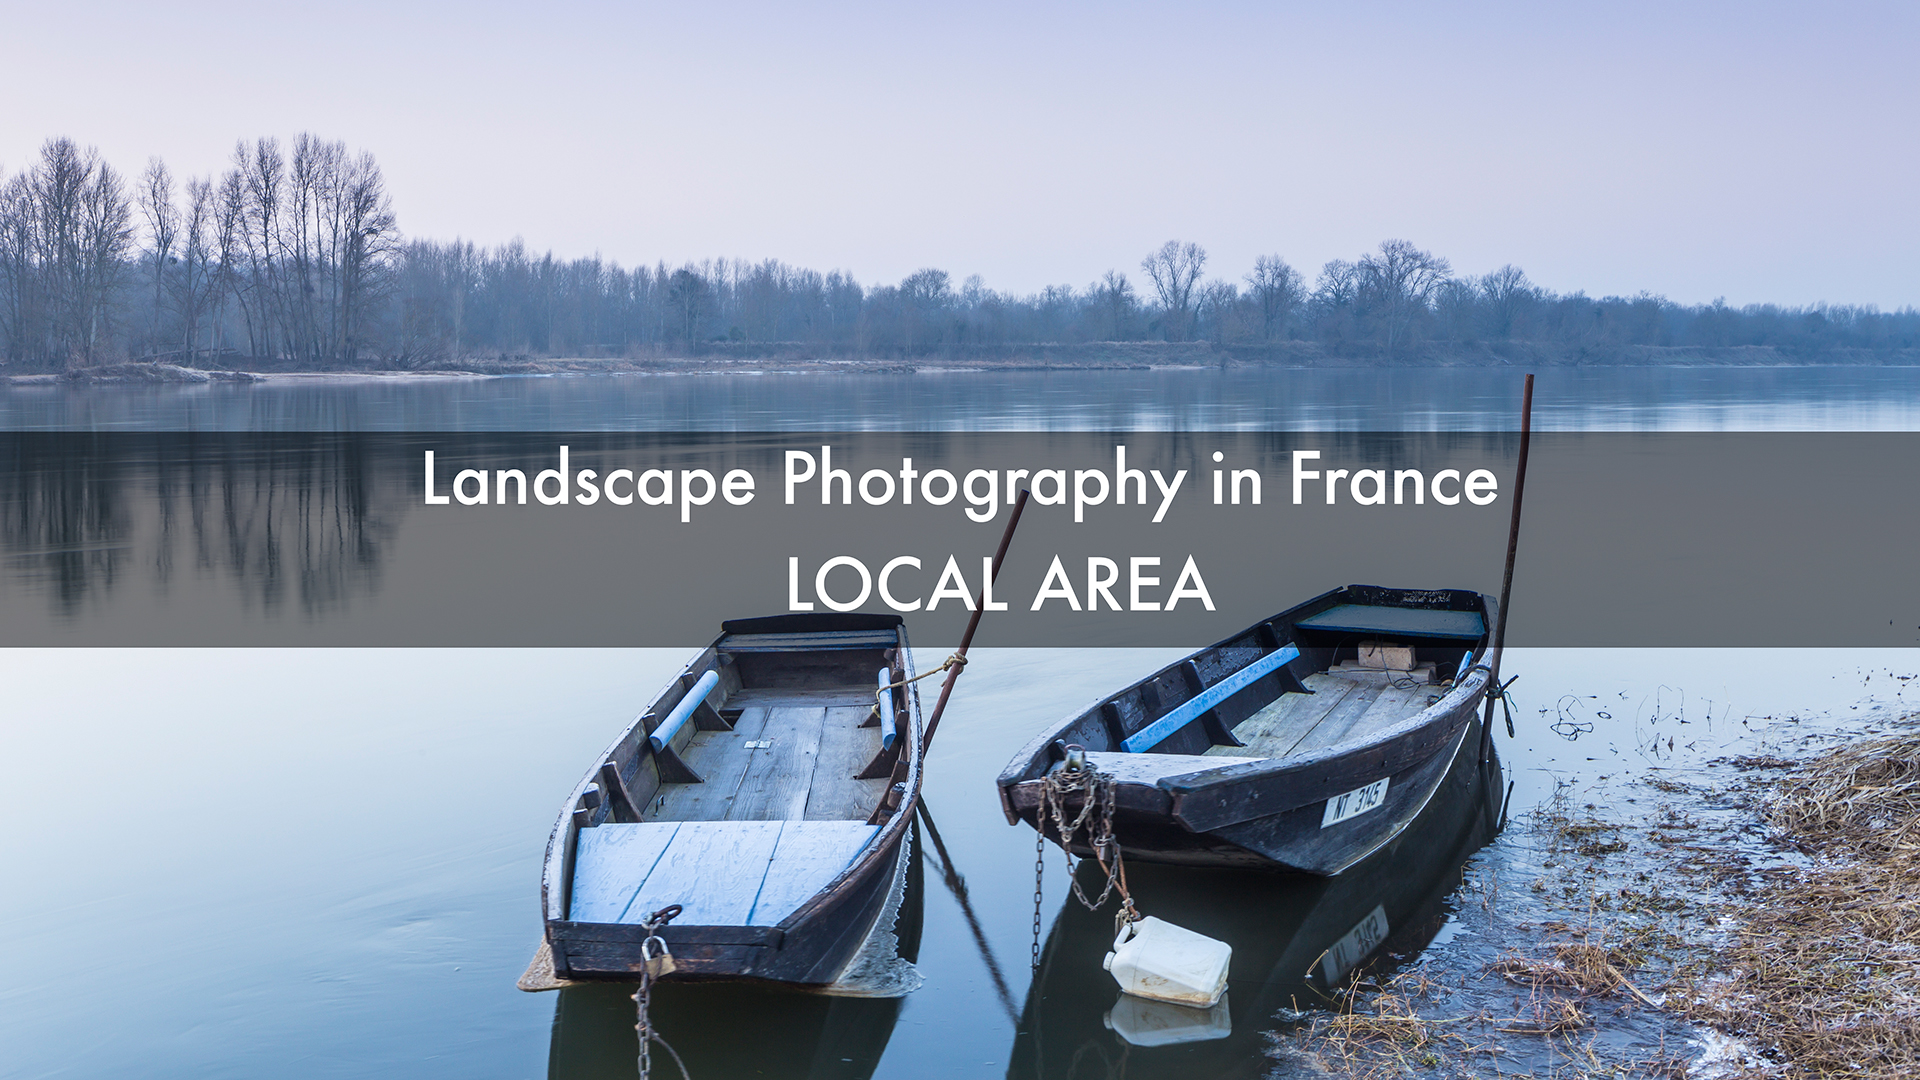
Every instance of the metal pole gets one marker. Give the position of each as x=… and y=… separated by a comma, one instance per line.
x=1506, y=580
x=973, y=621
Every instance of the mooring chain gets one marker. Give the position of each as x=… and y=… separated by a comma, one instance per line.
x=656, y=961
x=1096, y=817
x=1039, y=876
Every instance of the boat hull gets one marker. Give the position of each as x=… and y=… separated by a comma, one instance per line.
x=1150, y=825
x=1315, y=812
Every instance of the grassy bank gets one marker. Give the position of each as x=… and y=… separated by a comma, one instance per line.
x=1821, y=969
x=1761, y=918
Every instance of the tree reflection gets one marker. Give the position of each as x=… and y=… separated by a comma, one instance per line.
x=285, y=523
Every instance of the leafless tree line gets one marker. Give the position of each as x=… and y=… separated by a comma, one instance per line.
x=294, y=256
x=284, y=255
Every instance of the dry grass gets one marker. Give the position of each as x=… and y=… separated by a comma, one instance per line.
x=1548, y=1016
x=1823, y=972
x=1863, y=799
x=1588, y=970
x=1393, y=1037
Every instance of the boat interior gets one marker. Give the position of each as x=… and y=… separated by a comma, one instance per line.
x=1372, y=657
x=1385, y=664
x=750, y=783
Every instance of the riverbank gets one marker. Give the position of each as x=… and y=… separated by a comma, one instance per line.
x=1754, y=918
x=744, y=358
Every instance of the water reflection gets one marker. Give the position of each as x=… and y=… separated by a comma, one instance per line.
x=737, y=1029
x=1295, y=941
x=284, y=522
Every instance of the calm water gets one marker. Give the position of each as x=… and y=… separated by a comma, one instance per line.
x=313, y=863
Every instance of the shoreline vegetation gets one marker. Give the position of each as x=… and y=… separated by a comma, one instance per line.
x=293, y=259
x=1763, y=913
x=1096, y=356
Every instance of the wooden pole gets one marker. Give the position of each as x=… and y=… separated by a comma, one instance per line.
x=1506, y=580
x=973, y=621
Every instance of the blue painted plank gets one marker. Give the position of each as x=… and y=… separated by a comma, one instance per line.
x=610, y=863
x=712, y=869
x=1413, y=622
x=810, y=854
x=1185, y=713
x=663, y=734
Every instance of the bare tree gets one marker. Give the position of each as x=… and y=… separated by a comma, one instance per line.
x=1505, y=290
x=155, y=197
x=1174, y=270
x=1113, y=295
x=1277, y=288
x=925, y=296
x=262, y=173
x=82, y=230
x=1397, y=283
x=22, y=325
x=106, y=236
x=687, y=294
x=229, y=226
x=362, y=222
x=65, y=229
x=1215, y=308
x=194, y=284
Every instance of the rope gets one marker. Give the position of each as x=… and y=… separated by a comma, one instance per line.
x=1096, y=818
x=957, y=660
x=1498, y=692
x=653, y=966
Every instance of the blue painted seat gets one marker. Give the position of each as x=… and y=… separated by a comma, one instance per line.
x=1188, y=711
x=722, y=873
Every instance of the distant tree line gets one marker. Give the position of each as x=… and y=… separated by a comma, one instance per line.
x=293, y=255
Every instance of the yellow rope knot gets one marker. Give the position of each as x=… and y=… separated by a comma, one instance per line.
x=955, y=661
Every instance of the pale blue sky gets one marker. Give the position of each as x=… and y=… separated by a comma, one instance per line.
x=1755, y=151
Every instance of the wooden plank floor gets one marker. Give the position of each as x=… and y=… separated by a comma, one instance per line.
x=724, y=873
x=714, y=871
x=1343, y=706
x=778, y=777
x=845, y=749
x=817, y=745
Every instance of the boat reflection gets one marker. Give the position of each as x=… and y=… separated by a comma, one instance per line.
x=723, y=1029
x=1295, y=941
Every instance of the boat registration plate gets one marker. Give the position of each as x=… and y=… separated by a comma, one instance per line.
x=1354, y=803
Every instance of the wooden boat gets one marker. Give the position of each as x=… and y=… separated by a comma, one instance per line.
x=762, y=792
x=1296, y=940
x=1303, y=743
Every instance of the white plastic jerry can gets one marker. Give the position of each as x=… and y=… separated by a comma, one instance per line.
x=1157, y=960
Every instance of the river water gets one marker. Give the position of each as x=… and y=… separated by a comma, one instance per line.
x=315, y=863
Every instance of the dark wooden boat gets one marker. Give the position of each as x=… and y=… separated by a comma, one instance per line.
x=1295, y=941
x=762, y=792
x=1303, y=743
